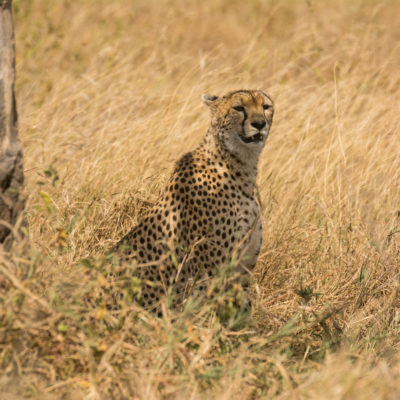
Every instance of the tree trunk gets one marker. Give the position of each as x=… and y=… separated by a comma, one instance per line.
x=11, y=158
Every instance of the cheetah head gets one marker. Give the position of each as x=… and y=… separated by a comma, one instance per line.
x=241, y=119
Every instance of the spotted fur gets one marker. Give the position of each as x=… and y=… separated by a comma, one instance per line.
x=208, y=210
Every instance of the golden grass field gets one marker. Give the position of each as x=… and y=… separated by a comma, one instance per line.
x=108, y=96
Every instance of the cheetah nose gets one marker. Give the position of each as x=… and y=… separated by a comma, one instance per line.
x=259, y=124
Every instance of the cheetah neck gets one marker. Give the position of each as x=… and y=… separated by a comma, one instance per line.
x=244, y=169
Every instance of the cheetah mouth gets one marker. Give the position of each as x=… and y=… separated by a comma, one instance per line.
x=257, y=138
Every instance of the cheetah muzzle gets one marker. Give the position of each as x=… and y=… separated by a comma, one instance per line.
x=208, y=214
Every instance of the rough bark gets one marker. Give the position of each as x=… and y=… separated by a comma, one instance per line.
x=11, y=158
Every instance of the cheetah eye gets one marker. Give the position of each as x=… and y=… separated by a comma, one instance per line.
x=238, y=108
x=266, y=107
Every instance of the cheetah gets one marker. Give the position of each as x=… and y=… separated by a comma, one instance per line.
x=208, y=211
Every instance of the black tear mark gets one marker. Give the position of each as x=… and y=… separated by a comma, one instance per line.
x=244, y=119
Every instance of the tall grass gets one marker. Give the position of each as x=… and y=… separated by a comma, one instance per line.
x=109, y=97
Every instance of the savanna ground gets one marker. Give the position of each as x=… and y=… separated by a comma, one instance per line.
x=109, y=97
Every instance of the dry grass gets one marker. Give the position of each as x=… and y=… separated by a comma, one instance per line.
x=108, y=96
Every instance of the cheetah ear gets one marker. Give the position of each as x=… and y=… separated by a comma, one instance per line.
x=208, y=99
